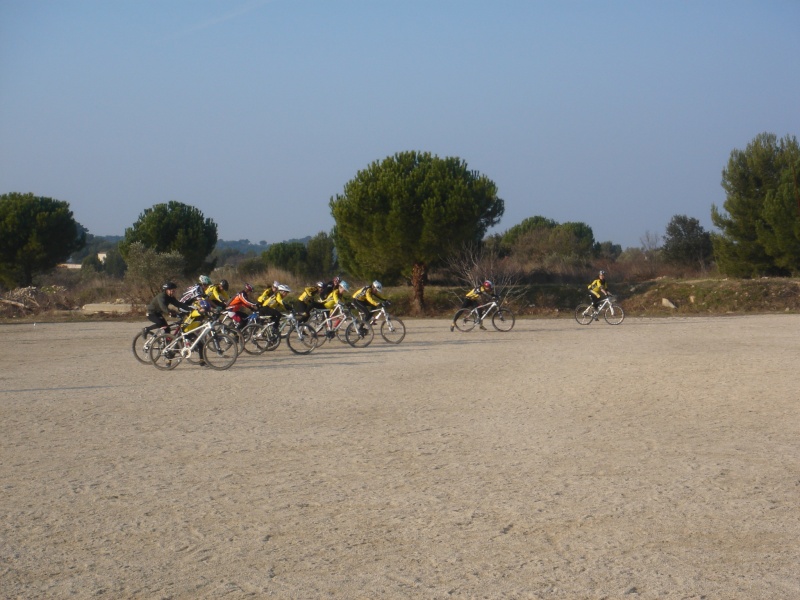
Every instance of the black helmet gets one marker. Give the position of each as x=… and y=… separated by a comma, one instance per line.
x=169, y=286
x=224, y=284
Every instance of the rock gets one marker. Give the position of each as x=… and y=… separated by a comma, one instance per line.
x=667, y=303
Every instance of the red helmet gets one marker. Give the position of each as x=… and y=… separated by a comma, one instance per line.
x=488, y=285
x=247, y=288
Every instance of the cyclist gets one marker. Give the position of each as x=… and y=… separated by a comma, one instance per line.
x=198, y=290
x=240, y=303
x=307, y=301
x=160, y=305
x=334, y=297
x=337, y=294
x=368, y=295
x=217, y=294
x=475, y=296
x=327, y=288
x=597, y=287
x=273, y=305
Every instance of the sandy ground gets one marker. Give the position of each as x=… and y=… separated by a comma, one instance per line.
x=656, y=459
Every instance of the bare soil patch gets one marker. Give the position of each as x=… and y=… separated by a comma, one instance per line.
x=656, y=459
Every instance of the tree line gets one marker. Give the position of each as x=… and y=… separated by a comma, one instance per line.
x=412, y=212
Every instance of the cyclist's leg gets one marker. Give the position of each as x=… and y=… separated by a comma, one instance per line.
x=159, y=322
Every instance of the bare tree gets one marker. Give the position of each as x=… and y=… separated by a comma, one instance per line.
x=475, y=264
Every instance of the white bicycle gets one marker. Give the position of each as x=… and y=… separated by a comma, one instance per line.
x=611, y=311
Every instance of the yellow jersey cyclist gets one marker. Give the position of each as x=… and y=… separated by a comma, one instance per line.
x=478, y=295
x=596, y=288
x=273, y=305
x=217, y=294
x=308, y=299
x=367, y=298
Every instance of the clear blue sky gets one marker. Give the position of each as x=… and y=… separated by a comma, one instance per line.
x=619, y=114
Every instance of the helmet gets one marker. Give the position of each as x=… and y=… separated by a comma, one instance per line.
x=344, y=285
x=205, y=305
x=169, y=285
x=283, y=289
x=602, y=273
x=275, y=284
x=377, y=285
x=336, y=280
x=224, y=284
x=320, y=284
x=204, y=279
x=247, y=288
x=488, y=285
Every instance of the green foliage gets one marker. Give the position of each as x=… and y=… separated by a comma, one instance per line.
x=686, y=242
x=321, y=256
x=148, y=269
x=36, y=234
x=759, y=223
x=290, y=256
x=410, y=209
x=174, y=227
x=538, y=242
x=114, y=265
x=537, y=223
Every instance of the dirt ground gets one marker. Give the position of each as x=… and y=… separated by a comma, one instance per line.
x=656, y=459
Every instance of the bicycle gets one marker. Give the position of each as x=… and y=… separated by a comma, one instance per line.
x=141, y=349
x=219, y=350
x=503, y=318
x=301, y=337
x=330, y=324
x=392, y=329
x=259, y=335
x=611, y=311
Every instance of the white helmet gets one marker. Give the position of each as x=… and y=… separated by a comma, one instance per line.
x=344, y=285
x=284, y=289
x=377, y=285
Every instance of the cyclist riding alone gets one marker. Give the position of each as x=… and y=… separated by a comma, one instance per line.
x=273, y=304
x=369, y=294
x=160, y=305
x=597, y=287
x=217, y=294
x=478, y=295
x=241, y=303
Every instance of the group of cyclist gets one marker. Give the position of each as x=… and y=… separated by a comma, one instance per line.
x=205, y=297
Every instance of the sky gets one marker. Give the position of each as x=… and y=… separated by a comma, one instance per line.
x=618, y=114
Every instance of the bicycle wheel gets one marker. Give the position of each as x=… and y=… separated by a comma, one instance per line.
x=466, y=319
x=323, y=333
x=302, y=339
x=220, y=350
x=359, y=334
x=266, y=339
x=141, y=347
x=584, y=314
x=165, y=352
x=341, y=330
x=614, y=314
x=248, y=333
x=393, y=330
x=228, y=326
x=503, y=319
